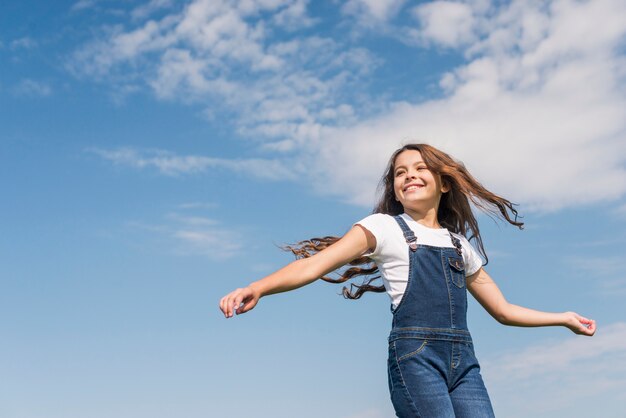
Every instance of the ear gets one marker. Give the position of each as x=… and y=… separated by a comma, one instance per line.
x=445, y=187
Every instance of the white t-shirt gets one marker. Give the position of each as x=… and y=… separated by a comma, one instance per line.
x=392, y=251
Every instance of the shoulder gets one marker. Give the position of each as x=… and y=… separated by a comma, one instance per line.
x=472, y=259
x=383, y=227
x=379, y=224
x=376, y=220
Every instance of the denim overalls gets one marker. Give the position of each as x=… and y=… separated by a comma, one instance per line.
x=432, y=369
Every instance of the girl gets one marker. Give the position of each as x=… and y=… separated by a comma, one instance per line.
x=417, y=240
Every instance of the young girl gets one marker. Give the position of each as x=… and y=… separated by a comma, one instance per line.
x=417, y=240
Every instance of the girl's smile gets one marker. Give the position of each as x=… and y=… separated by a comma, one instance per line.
x=412, y=187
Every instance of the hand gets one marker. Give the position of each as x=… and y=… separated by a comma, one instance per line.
x=579, y=324
x=240, y=301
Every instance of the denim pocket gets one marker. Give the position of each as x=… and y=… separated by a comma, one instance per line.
x=409, y=347
x=457, y=271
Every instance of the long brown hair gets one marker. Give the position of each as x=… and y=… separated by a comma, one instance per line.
x=454, y=213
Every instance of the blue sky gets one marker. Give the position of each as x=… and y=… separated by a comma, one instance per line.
x=155, y=154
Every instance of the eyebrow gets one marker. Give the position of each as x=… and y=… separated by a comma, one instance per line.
x=403, y=166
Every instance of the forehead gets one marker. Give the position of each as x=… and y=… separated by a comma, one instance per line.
x=408, y=157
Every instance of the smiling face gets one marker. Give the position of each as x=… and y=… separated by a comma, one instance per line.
x=415, y=186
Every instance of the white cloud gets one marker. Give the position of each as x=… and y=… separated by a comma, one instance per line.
x=213, y=243
x=24, y=43
x=446, y=23
x=621, y=210
x=294, y=16
x=83, y=5
x=198, y=205
x=608, y=272
x=371, y=11
x=198, y=235
x=578, y=376
x=170, y=164
x=145, y=10
x=192, y=221
x=186, y=235
x=598, y=266
x=32, y=88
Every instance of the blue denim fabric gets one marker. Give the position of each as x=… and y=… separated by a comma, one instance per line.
x=432, y=368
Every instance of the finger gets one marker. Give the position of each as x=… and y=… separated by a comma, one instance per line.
x=237, y=303
x=586, y=322
x=245, y=297
x=248, y=305
x=225, y=306
x=588, y=329
x=232, y=302
x=229, y=304
x=222, y=305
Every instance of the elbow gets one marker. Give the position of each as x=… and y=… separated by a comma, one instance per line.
x=502, y=315
x=501, y=318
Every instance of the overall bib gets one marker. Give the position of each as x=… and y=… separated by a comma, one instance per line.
x=432, y=369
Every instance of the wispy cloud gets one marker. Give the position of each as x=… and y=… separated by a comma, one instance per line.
x=372, y=12
x=212, y=243
x=607, y=272
x=295, y=16
x=83, y=5
x=198, y=205
x=145, y=10
x=171, y=164
x=447, y=23
x=23, y=43
x=550, y=379
x=191, y=235
x=621, y=210
x=32, y=88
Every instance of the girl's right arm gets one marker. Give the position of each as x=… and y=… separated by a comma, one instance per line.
x=487, y=293
x=300, y=272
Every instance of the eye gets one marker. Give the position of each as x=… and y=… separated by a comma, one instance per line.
x=422, y=167
x=399, y=173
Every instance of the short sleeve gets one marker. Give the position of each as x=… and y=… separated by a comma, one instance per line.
x=472, y=259
x=377, y=225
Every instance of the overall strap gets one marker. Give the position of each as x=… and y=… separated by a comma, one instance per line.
x=457, y=244
x=411, y=239
x=409, y=236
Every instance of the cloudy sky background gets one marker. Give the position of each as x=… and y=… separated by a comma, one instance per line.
x=155, y=154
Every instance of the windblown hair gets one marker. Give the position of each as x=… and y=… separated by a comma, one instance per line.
x=454, y=213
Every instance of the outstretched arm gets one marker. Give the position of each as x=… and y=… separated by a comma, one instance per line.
x=487, y=293
x=300, y=272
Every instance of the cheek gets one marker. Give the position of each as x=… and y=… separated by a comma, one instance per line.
x=397, y=186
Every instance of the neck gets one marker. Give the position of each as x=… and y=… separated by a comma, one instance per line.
x=427, y=218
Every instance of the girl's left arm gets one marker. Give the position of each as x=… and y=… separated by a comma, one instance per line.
x=487, y=293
